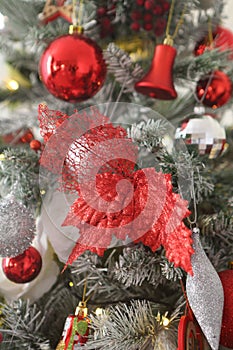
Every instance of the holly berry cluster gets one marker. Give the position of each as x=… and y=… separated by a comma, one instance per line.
x=105, y=17
x=150, y=15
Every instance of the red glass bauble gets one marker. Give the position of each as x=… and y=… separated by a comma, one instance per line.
x=226, y=338
x=222, y=40
x=214, y=90
x=23, y=268
x=72, y=68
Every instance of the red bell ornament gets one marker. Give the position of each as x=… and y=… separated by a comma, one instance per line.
x=72, y=68
x=214, y=90
x=158, y=82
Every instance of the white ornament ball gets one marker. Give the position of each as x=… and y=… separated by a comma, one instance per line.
x=204, y=132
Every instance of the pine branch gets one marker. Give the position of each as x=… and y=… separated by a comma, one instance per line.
x=133, y=327
x=192, y=68
x=217, y=238
x=21, y=328
x=169, y=271
x=148, y=134
x=187, y=171
x=19, y=173
x=121, y=66
x=136, y=265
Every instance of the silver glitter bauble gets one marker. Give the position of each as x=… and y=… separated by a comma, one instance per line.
x=205, y=294
x=17, y=227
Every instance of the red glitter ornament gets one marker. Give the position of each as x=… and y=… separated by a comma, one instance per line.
x=226, y=338
x=214, y=90
x=115, y=199
x=72, y=68
x=23, y=268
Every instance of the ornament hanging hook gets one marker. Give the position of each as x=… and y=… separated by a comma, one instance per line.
x=76, y=26
x=169, y=39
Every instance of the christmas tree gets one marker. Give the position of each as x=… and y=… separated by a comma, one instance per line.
x=116, y=175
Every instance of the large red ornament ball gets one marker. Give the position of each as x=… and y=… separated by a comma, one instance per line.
x=226, y=338
x=214, y=90
x=23, y=268
x=72, y=68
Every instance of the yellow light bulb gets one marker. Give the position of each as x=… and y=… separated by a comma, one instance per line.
x=71, y=284
x=99, y=311
x=165, y=321
x=12, y=85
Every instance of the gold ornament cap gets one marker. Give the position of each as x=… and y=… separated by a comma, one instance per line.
x=81, y=309
x=75, y=29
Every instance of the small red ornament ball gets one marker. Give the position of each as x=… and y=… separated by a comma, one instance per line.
x=226, y=338
x=35, y=145
x=72, y=68
x=23, y=268
x=214, y=90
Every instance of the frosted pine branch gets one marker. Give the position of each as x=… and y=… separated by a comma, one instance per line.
x=169, y=271
x=136, y=265
x=133, y=327
x=19, y=173
x=21, y=327
x=121, y=66
x=148, y=134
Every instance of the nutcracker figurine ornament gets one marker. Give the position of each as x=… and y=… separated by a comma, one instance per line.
x=76, y=329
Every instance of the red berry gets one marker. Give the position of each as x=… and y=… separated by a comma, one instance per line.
x=160, y=26
x=148, y=26
x=148, y=17
x=157, y=10
x=135, y=26
x=27, y=137
x=136, y=15
x=166, y=6
x=140, y=2
x=35, y=144
x=101, y=11
x=105, y=22
x=149, y=4
x=106, y=27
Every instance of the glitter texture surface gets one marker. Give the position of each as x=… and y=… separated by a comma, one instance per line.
x=205, y=294
x=17, y=227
